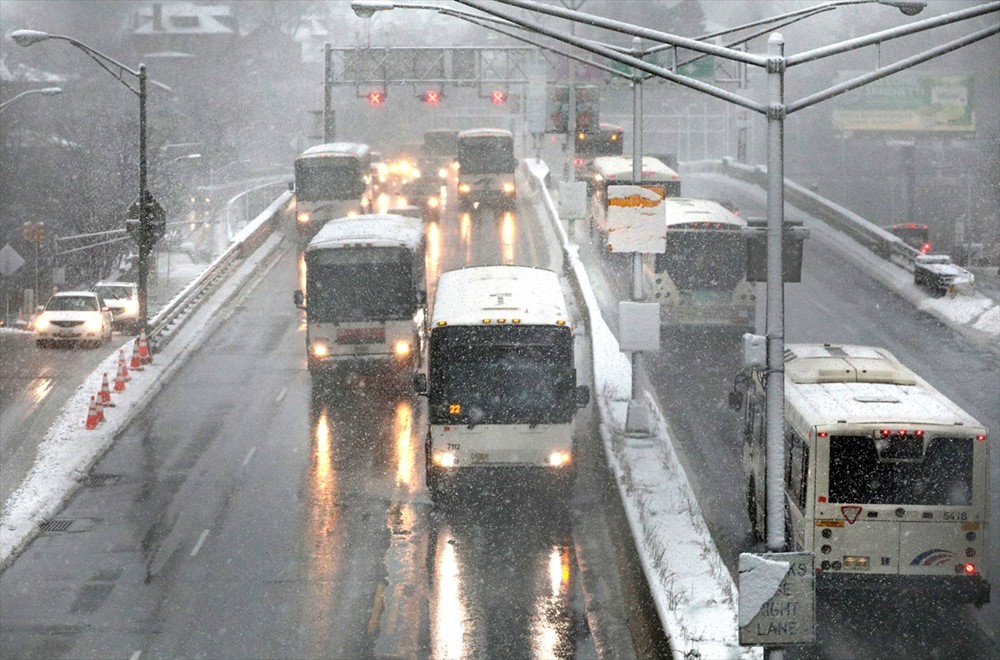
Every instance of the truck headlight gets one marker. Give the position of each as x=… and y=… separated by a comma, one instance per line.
x=302, y=218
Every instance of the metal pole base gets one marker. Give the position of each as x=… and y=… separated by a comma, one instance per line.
x=637, y=421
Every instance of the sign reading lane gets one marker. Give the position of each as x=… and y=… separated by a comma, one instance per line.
x=777, y=599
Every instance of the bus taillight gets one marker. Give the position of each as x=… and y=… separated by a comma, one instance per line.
x=981, y=437
x=969, y=569
x=925, y=248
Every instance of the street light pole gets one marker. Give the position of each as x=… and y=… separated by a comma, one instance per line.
x=46, y=91
x=146, y=236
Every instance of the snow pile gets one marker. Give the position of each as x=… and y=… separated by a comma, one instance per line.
x=695, y=596
x=69, y=449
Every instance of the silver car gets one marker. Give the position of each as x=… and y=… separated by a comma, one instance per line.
x=74, y=317
x=123, y=299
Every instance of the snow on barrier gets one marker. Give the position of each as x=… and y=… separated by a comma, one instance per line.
x=694, y=594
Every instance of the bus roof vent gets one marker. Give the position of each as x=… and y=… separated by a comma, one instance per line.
x=848, y=370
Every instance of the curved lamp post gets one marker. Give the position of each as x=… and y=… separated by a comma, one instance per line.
x=47, y=91
x=145, y=235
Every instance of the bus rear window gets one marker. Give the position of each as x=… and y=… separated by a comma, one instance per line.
x=941, y=476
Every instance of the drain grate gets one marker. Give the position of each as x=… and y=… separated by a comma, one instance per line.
x=98, y=480
x=58, y=525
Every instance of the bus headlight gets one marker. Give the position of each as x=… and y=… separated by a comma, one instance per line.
x=559, y=458
x=319, y=349
x=302, y=218
x=508, y=188
x=401, y=348
x=433, y=202
x=444, y=459
x=443, y=173
x=464, y=189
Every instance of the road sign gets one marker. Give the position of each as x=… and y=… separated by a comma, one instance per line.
x=156, y=222
x=777, y=598
x=10, y=260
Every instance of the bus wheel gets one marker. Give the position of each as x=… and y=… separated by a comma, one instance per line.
x=758, y=529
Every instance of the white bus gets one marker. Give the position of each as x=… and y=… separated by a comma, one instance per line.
x=885, y=478
x=331, y=181
x=501, y=375
x=365, y=295
x=700, y=281
x=486, y=167
x=617, y=170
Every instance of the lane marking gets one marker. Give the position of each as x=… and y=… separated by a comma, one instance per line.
x=197, y=546
x=281, y=394
x=377, y=608
x=135, y=656
x=253, y=450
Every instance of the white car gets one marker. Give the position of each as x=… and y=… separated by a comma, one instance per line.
x=123, y=299
x=74, y=317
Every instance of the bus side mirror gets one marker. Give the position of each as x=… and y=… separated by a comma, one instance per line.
x=420, y=384
x=735, y=400
x=582, y=396
x=421, y=297
x=291, y=186
x=298, y=298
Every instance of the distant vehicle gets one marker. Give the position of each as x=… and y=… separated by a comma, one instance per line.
x=331, y=181
x=617, y=170
x=608, y=140
x=700, y=281
x=366, y=295
x=123, y=299
x=440, y=152
x=915, y=235
x=74, y=317
x=486, y=166
x=886, y=480
x=937, y=274
x=501, y=376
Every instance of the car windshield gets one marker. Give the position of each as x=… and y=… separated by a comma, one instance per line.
x=113, y=291
x=72, y=304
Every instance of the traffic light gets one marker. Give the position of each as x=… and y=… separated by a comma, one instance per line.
x=498, y=97
x=34, y=232
x=431, y=96
x=375, y=97
x=39, y=232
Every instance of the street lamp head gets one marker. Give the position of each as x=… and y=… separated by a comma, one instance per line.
x=367, y=8
x=50, y=91
x=28, y=37
x=908, y=7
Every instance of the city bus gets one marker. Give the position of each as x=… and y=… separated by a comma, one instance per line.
x=700, y=280
x=331, y=181
x=365, y=296
x=607, y=140
x=486, y=166
x=617, y=170
x=501, y=376
x=886, y=479
x=917, y=236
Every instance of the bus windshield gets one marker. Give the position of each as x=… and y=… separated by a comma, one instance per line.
x=704, y=259
x=360, y=284
x=328, y=178
x=501, y=375
x=486, y=155
x=860, y=473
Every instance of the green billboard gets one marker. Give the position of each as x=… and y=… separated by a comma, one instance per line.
x=911, y=102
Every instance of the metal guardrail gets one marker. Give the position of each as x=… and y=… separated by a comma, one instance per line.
x=172, y=315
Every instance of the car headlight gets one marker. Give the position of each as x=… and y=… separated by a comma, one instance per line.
x=302, y=218
x=443, y=173
x=42, y=324
x=93, y=325
x=131, y=308
x=508, y=188
x=433, y=202
x=464, y=188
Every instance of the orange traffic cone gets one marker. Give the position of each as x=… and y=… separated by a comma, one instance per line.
x=136, y=364
x=106, y=393
x=121, y=377
x=100, y=408
x=144, y=354
x=92, y=418
x=123, y=367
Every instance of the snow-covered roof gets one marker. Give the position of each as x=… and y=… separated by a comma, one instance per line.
x=336, y=149
x=372, y=230
x=620, y=168
x=184, y=18
x=682, y=210
x=503, y=294
x=846, y=384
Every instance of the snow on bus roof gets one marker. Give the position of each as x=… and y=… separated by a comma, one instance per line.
x=830, y=383
x=336, y=149
x=374, y=229
x=484, y=132
x=681, y=210
x=467, y=296
x=620, y=167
